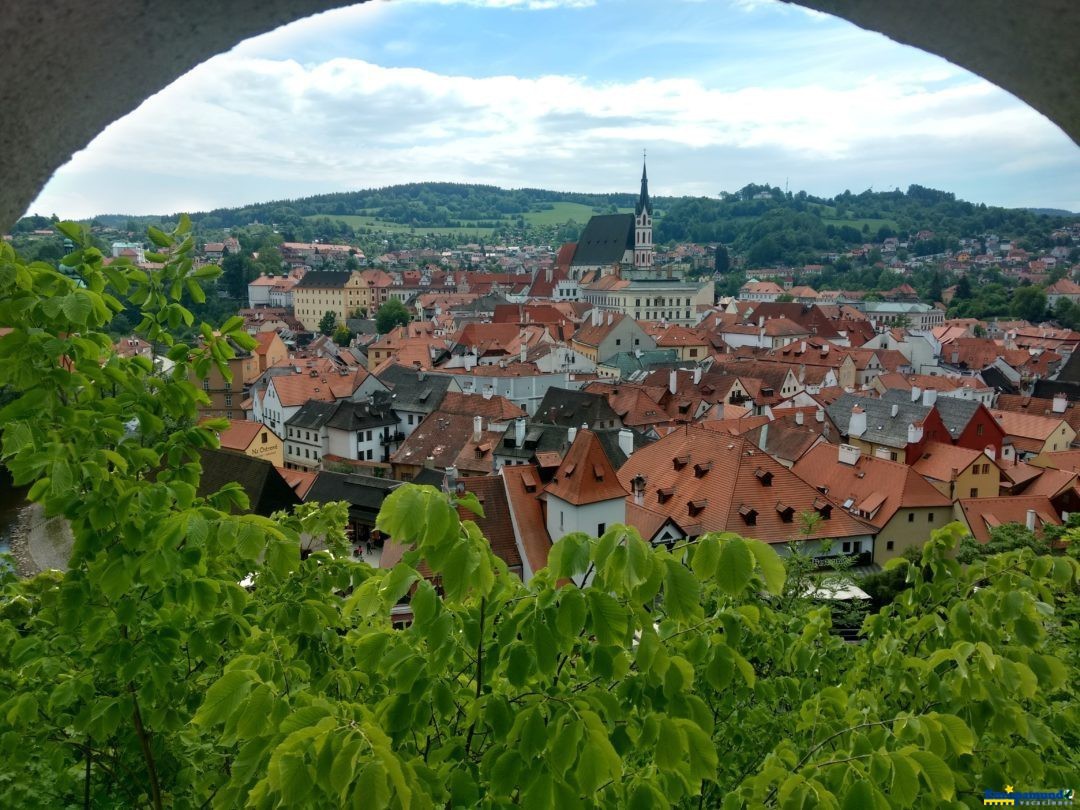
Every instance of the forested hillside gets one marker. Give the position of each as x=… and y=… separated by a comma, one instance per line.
x=764, y=224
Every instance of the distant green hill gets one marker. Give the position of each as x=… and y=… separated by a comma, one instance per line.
x=763, y=224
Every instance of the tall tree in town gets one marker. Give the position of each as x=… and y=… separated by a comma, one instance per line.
x=392, y=313
x=622, y=675
x=327, y=323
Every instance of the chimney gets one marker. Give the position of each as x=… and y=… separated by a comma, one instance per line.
x=914, y=434
x=429, y=463
x=763, y=437
x=673, y=381
x=1030, y=520
x=571, y=434
x=916, y=393
x=848, y=454
x=798, y=417
x=477, y=428
x=894, y=410
x=929, y=397
x=626, y=441
x=489, y=391
x=824, y=349
x=1061, y=403
x=802, y=347
x=990, y=452
x=857, y=423
x=761, y=321
x=819, y=415
x=610, y=318
x=697, y=375
x=597, y=316
x=519, y=432
x=522, y=351
x=637, y=486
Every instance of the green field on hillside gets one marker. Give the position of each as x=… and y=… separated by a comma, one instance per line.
x=376, y=224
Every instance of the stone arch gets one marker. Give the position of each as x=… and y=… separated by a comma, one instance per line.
x=72, y=68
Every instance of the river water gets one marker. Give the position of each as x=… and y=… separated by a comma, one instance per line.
x=12, y=503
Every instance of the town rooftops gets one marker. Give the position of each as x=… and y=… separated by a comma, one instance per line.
x=872, y=488
x=882, y=426
x=561, y=406
x=943, y=462
x=709, y=481
x=240, y=434
x=984, y=514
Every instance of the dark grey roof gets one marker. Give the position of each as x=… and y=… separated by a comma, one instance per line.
x=351, y=415
x=363, y=493
x=561, y=406
x=312, y=415
x=996, y=379
x=361, y=326
x=555, y=438
x=1070, y=369
x=410, y=392
x=605, y=239
x=881, y=426
x=324, y=278
x=1047, y=389
x=267, y=491
x=956, y=413
x=643, y=203
x=629, y=362
x=485, y=303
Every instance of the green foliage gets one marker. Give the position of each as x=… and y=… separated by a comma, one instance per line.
x=622, y=675
x=327, y=323
x=392, y=313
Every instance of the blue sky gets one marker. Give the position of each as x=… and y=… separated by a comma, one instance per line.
x=565, y=94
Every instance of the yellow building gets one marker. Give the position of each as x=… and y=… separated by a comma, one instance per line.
x=253, y=439
x=958, y=472
x=325, y=291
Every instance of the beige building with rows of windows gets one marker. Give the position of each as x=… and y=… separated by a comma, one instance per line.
x=325, y=291
x=669, y=300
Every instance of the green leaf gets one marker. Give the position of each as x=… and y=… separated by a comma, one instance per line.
x=72, y=230
x=736, y=566
x=682, y=593
x=253, y=719
x=721, y=667
x=670, y=746
x=706, y=557
x=905, y=781
x=860, y=796
x=772, y=567
x=562, y=748
x=572, y=612
x=159, y=237
x=956, y=730
x=608, y=617
x=938, y=775
x=344, y=768
x=225, y=696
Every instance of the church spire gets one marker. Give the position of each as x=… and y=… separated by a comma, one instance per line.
x=643, y=203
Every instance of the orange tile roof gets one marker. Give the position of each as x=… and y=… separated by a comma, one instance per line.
x=707, y=481
x=875, y=487
x=241, y=433
x=296, y=389
x=1028, y=426
x=592, y=334
x=522, y=491
x=1061, y=460
x=496, y=407
x=942, y=462
x=586, y=475
x=1051, y=483
x=982, y=514
x=1020, y=403
x=299, y=480
x=496, y=524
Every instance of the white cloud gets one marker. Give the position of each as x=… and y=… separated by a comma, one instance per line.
x=242, y=128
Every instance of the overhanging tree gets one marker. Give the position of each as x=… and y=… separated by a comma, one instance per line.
x=146, y=675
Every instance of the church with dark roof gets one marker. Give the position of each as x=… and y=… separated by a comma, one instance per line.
x=617, y=243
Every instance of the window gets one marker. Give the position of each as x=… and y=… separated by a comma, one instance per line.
x=910, y=517
x=228, y=386
x=618, y=341
x=979, y=429
x=600, y=527
x=205, y=385
x=561, y=516
x=847, y=547
x=973, y=493
x=930, y=518
x=228, y=400
x=889, y=545
x=265, y=438
x=892, y=456
x=306, y=454
x=986, y=469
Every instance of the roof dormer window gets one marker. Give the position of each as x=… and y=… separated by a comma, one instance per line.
x=764, y=476
x=747, y=513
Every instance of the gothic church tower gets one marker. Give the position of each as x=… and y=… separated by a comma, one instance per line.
x=643, y=241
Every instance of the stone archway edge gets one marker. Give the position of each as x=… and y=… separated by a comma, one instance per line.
x=72, y=68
